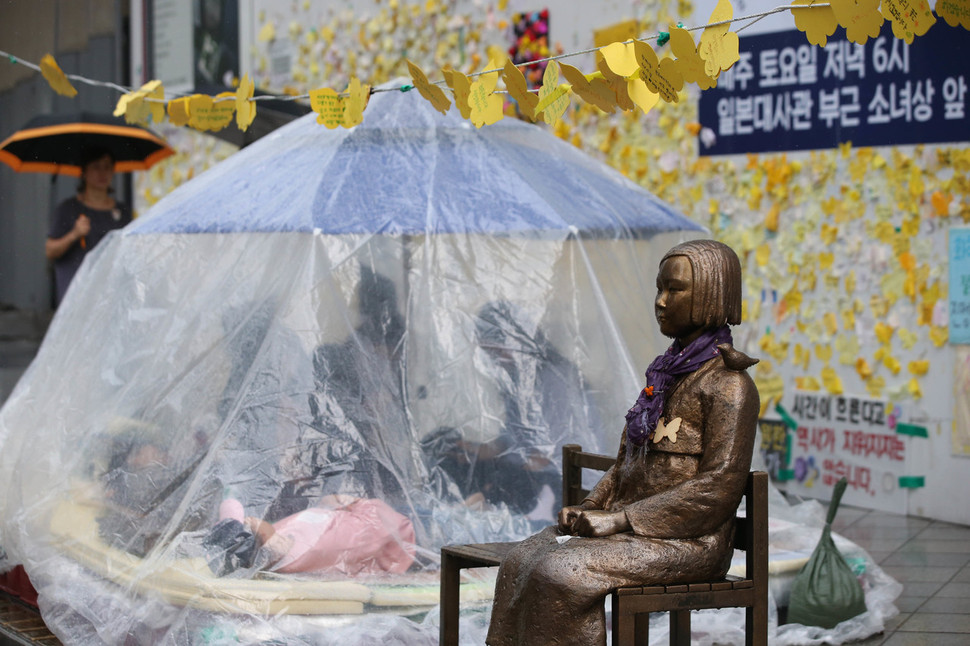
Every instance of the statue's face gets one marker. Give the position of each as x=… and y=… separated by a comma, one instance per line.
x=675, y=285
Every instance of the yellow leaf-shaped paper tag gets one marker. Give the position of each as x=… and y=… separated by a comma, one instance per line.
x=615, y=83
x=662, y=77
x=907, y=338
x=132, y=107
x=599, y=95
x=641, y=95
x=818, y=23
x=207, y=114
x=553, y=95
x=920, y=367
x=910, y=18
x=55, y=77
x=829, y=233
x=178, y=111
x=486, y=107
x=831, y=323
x=939, y=335
x=136, y=106
x=848, y=349
x=620, y=58
x=914, y=390
x=831, y=381
x=954, y=12
x=355, y=102
x=199, y=106
x=861, y=18
x=329, y=107
x=267, y=33
x=461, y=87
x=434, y=94
x=823, y=352
x=689, y=63
x=875, y=386
x=770, y=389
x=883, y=332
x=518, y=89
x=892, y=363
x=762, y=254
x=154, y=101
x=719, y=45
x=223, y=110
x=245, y=108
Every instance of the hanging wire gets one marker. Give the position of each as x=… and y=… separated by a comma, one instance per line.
x=753, y=18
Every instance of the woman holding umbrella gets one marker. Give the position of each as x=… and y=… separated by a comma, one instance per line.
x=80, y=222
x=50, y=143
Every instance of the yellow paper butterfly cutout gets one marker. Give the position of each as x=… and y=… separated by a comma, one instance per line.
x=667, y=430
x=861, y=18
x=434, y=94
x=719, y=45
x=818, y=23
x=245, y=108
x=553, y=95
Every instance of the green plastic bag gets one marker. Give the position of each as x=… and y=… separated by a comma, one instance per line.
x=826, y=591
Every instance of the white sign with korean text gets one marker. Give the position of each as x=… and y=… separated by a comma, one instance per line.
x=851, y=436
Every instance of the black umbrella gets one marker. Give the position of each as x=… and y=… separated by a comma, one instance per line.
x=54, y=144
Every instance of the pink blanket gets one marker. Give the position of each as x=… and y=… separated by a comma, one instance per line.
x=364, y=537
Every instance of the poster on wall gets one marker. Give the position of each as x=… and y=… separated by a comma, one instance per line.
x=216, y=40
x=775, y=449
x=194, y=46
x=852, y=436
x=170, y=45
x=959, y=287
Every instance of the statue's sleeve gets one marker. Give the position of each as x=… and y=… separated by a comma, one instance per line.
x=602, y=493
x=700, y=505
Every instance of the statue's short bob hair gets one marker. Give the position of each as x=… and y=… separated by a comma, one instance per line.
x=716, y=284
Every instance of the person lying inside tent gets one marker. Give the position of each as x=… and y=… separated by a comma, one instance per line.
x=144, y=484
x=340, y=534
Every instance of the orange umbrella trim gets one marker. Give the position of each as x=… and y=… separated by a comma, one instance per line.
x=73, y=169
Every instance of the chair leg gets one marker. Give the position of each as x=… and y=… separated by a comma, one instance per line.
x=624, y=625
x=756, y=625
x=450, y=587
x=680, y=628
x=641, y=629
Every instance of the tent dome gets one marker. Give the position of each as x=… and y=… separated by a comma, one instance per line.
x=268, y=402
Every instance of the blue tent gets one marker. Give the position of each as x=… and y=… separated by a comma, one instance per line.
x=409, y=170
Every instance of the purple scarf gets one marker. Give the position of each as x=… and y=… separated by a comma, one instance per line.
x=641, y=420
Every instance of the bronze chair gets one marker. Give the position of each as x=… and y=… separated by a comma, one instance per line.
x=631, y=606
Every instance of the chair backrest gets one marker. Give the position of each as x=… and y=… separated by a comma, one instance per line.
x=750, y=530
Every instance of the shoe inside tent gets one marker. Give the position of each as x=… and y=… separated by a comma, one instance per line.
x=265, y=405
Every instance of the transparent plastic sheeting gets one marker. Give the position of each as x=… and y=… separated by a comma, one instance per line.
x=263, y=408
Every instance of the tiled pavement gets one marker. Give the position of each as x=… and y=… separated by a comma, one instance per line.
x=932, y=561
